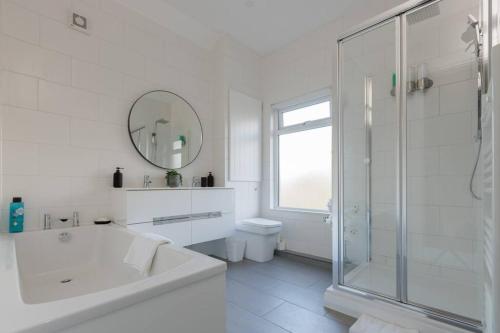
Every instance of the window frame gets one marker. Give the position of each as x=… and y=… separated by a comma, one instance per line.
x=278, y=130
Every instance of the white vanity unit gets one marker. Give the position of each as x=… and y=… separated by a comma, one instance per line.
x=185, y=215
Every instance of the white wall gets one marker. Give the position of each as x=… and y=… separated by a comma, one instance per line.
x=444, y=220
x=77, y=90
x=66, y=97
x=237, y=68
x=305, y=66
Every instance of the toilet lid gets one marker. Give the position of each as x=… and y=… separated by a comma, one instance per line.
x=263, y=223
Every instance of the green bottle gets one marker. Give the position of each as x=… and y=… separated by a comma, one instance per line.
x=16, y=215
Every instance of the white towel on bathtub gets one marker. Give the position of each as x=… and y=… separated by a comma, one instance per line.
x=368, y=324
x=142, y=251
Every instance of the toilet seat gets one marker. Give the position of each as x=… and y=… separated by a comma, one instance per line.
x=259, y=226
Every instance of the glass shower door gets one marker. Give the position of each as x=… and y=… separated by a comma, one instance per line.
x=368, y=149
x=442, y=216
x=410, y=206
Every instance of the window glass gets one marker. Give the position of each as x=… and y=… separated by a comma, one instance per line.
x=309, y=113
x=305, y=169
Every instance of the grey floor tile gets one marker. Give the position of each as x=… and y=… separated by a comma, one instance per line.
x=287, y=291
x=308, y=298
x=299, y=320
x=250, y=299
x=242, y=265
x=242, y=321
x=322, y=284
x=299, y=276
x=308, y=265
x=314, y=271
x=252, y=278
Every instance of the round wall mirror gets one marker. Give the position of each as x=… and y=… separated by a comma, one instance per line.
x=165, y=129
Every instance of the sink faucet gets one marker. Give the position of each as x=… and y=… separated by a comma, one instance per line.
x=147, y=181
x=46, y=222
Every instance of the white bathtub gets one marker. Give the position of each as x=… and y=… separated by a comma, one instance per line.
x=74, y=280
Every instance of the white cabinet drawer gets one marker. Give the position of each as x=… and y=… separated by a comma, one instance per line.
x=179, y=233
x=144, y=206
x=213, y=200
x=186, y=216
x=214, y=228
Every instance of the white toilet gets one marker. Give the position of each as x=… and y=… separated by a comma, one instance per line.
x=261, y=236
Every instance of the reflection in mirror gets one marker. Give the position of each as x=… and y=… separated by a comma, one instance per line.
x=165, y=129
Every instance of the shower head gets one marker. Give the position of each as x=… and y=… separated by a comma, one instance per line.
x=472, y=20
x=424, y=13
x=162, y=121
x=473, y=33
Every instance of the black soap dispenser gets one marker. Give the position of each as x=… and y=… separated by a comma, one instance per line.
x=118, y=178
x=210, y=180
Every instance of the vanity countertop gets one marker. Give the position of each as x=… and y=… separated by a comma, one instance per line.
x=171, y=188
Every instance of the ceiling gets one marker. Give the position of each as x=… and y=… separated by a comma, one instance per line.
x=262, y=25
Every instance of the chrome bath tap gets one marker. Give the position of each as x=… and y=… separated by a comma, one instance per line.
x=147, y=181
x=76, y=219
x=46, y=222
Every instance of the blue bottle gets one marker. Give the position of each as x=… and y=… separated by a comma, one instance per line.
x=16, y=216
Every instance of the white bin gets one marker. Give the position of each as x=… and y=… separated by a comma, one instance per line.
x=235, y=249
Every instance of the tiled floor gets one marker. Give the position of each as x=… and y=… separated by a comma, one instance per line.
x=283, y=295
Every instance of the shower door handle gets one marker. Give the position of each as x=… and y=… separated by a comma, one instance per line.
x=368, y=161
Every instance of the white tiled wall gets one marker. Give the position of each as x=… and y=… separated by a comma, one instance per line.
x=444, y=221
x=66, y=96
x=370, y=56
x=305, y=66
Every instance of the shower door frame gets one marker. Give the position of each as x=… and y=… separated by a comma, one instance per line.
x=398, y=16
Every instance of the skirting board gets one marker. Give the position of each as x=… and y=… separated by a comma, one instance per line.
x=353, y=305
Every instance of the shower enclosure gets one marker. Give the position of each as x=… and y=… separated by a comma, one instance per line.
x=410, y=212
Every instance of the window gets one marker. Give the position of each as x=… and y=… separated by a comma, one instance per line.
x=303, y=154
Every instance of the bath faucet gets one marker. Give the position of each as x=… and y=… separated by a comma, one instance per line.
x=76, y=219
x=147, y=181
x=46, y=222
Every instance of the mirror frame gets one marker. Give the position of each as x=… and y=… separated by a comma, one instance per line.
x=132, y=140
